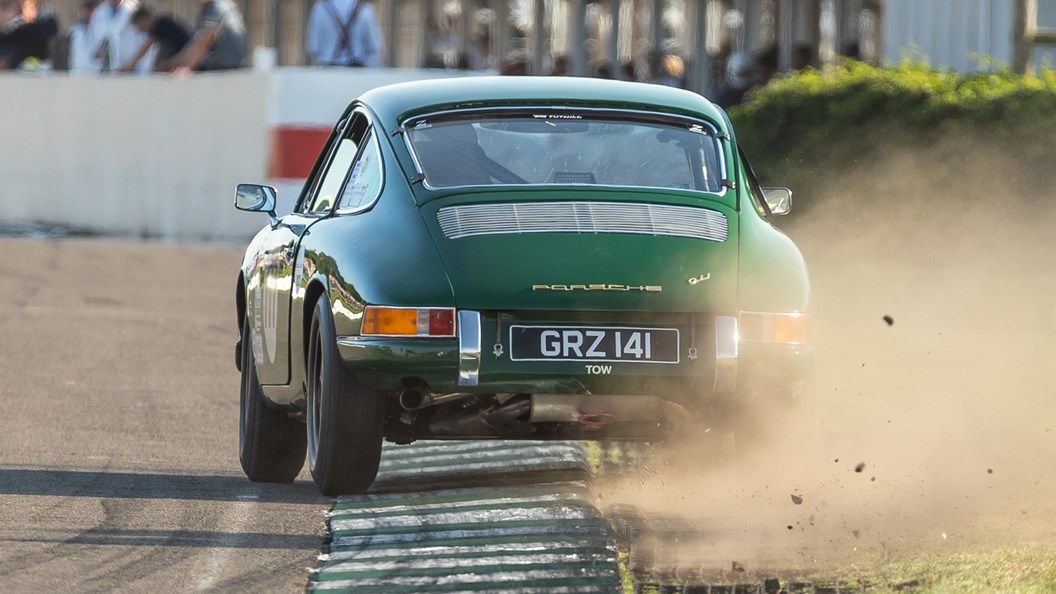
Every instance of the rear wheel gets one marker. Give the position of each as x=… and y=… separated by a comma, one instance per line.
x=345, y=418
x=271, y=445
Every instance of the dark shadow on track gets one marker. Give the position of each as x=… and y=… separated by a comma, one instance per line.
x=128, y=485
x=176, y=538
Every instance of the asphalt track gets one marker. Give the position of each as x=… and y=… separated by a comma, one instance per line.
x=119, y=467
x=118, y=432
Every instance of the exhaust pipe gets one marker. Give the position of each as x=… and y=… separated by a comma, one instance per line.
x=595, y=421
x=414, y=399
x=595, y=410
x=592, y=412
x=496, y=422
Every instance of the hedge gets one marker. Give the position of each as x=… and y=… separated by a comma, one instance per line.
x=825, y=116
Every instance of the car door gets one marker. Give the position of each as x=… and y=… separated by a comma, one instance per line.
x=280, y=258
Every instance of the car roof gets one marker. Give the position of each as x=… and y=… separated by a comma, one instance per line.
x=397, y=102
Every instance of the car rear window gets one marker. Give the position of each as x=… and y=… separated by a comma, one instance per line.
x=565, y=147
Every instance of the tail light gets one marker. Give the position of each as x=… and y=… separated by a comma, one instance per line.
x=408, y=321
x=784, y=328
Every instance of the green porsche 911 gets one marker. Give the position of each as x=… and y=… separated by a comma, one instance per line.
x=516, y=258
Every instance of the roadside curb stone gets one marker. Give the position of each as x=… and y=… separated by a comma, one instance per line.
x=480, y=516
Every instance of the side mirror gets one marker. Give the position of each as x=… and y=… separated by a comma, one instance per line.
x=778, y=199
x=255, y=198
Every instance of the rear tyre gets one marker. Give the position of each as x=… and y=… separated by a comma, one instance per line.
x=345, y=418
x=271, y=445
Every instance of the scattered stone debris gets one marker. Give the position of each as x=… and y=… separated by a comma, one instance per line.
x=797, y=500
x=890, y=321
x=860, y=467
x=989, y=471
x=737, y=567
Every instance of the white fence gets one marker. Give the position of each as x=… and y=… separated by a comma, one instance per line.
x=158, y=157
x=949, y=33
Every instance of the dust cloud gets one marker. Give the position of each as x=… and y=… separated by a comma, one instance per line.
x=934, y=316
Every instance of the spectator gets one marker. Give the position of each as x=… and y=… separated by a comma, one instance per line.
x=652, y=66
x=628, y=71
x=343, y=33
x=603, y=70
x=671, y=71
x=717, y=72
x=740, y=78
x=23, y=43
x=82, y=58
x=10, y=19
x=39, y=11
x=515, y=65
x=434, y=61
x=560, y=67
x=10, y=15
x=219, y=41
x=164, y=32
x=479, y=55
x=767, y=64
x=114, y=37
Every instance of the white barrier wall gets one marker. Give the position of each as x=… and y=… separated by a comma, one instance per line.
x=949, y=33
x=158, y=156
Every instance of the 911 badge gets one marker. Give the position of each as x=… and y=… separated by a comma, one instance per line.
x=699, y=279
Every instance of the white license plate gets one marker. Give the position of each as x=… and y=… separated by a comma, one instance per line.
x=594, y=343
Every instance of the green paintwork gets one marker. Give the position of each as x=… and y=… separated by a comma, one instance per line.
x=395, y=254
x=772, y=268
x=395, y=103
x=570, y=258
x=383, y=362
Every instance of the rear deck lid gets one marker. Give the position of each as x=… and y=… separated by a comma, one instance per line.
x=587, y=249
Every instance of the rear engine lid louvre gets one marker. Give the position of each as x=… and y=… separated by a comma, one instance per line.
x=468, y=220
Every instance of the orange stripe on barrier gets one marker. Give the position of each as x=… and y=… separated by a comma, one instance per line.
x=294, y=150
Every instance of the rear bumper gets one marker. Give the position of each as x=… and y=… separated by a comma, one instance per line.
x=385, y=363
x=713, y=363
